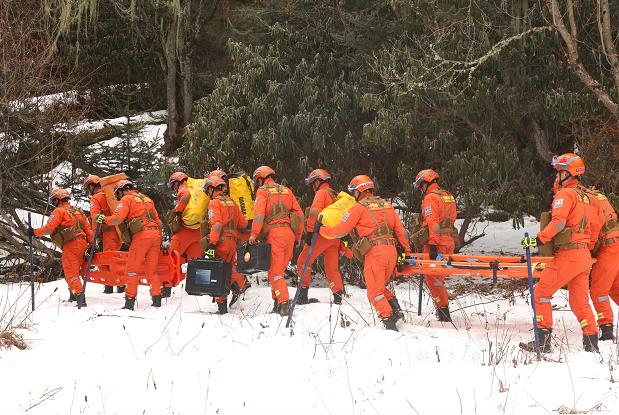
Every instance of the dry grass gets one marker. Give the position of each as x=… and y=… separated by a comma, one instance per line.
x=10, y=338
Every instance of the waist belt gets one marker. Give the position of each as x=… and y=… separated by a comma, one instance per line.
x=279, y=224
x=571, y=245
x=610, y=241
x=378, y=242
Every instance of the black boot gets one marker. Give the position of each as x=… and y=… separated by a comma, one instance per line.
x=166, y=292
x=337, y=297
x=120, y=289
x=236, y=293
x=129, y=304
x=222, y=308
x=390, y=322
x=443, y=314
x=108, y=289
x=544, y=342
x=606, y=332
x=283, y=308
x=72, y=297
x=274, y=310
x=156, y=301
x=590, y=343
x=303, y=296
x=77, y=299
x=397, y=310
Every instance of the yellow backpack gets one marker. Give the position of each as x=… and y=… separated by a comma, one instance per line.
x=241, y=190
x=332, y=214
x=196, y=209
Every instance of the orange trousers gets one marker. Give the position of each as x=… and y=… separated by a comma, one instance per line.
x=378, y=267
x=72, y=263
x=330, y=249
x=144, y=256
x=281, y=240
x=187, y=243
x=226, y=250
x=571, y=267
x=436, y=284
x=605, y=282
x=111, y=240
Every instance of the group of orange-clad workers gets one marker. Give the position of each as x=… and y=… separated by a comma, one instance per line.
x=584, y=214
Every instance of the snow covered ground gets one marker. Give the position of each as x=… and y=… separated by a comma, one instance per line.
x=182, y=358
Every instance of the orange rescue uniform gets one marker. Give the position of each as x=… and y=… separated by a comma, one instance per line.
x=605, y=272
x=186, y=241
x=109, y=235
x=225, y=218
x=280, y=236
x=368, y=215
x=66, y=216
x=329, y=248
x=571, y=208
x=439, y=213
x=145, y=245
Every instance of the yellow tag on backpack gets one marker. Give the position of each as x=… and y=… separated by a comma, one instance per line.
x=196, y=209
x=333, y=214
x=241, y=190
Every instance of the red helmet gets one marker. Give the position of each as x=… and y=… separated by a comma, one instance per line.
x=360, y=183
x=219, y=173
x=427, y=175
x=59, y=194
x=214, y=182
x=122, y=185
x=570, y=162
x=262, y=172
x=318, y=174
x=90, y=179
x=178, y=176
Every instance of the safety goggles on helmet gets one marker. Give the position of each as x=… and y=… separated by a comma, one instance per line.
x=214, y=182
x=318, y=174
x=360, y=183
x=427, y=175
x=572, y=163
x=90, y=179
x=178, y=176
x=122, y=185
x=58, y=194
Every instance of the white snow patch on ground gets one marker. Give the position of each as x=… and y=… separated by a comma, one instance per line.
x=183, y=359
x=501, y=237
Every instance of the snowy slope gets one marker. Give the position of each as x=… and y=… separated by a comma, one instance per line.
x=183, y=359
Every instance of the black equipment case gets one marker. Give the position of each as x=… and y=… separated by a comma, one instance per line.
x=253, y=258
x=208, y=277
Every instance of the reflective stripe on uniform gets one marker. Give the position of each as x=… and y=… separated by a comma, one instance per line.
x=278, y=277
x=544, y=300
x=379, y=297
x=603, y=298
x=584, y=323
x=132, y=274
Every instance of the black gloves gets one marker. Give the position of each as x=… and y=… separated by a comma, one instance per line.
x=30, y=231
x=308, y=237
x=433, y=252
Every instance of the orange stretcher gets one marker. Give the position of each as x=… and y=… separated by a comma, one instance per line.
x=476, y=266
x=110, y=268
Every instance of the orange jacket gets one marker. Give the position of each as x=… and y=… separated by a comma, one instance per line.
x=225, y=217
x=263, y=206
x=183, y=197
x=98, y=203
x=360, y=218
x=61, y=218
x=324, y=197
x=568, y=210
x=605, y=215
x=438, y=207
x=135, y=205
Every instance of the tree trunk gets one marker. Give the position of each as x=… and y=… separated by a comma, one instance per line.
x=171, y=135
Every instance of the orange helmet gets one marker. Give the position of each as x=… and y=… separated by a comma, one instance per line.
x=178, y=176
x=59, y=194
x=214, y=182
x=122, y=185
x=427, y=175
x=90, y=179
x=318, y=174
x=262, y=172
x=570, y=162
x=360, y=183
x=219, y=173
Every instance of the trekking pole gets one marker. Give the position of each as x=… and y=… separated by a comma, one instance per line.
x=307, y=261
x=530, y=275
x=82, y=296
x=30, y=259
x=420, y=295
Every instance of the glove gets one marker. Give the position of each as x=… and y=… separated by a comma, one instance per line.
x=30, y=231
x=100, y=218
x=433, y=252
x=308, y=238
x=87, y=252
x=98, y=245
x=528, y=242
x=210, y=251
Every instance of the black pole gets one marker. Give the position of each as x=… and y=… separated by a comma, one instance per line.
x=31, y=261
x=531, y=291
x=80, y=300
x=420, y=295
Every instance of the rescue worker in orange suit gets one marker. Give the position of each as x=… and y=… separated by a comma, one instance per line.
x=226, y=219
x=278, y=210
x=109, y=235
x=438, y=211
x=70, y=223
x=143, y=221
x=324, y=196
x=375, y=219
x=186, y=241
x=572, y=230
x=605, y=271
